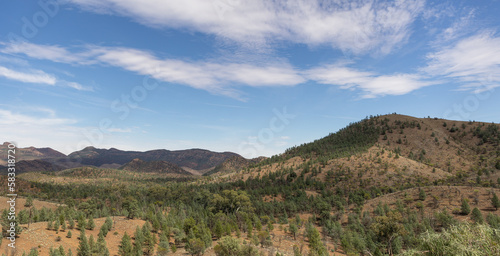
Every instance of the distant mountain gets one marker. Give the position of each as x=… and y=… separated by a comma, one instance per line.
x=36, y=165
x=138, y=165
x=197, y=159
x=30, y=153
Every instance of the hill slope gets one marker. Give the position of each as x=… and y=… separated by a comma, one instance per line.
x=137, y=165
x=36, y=165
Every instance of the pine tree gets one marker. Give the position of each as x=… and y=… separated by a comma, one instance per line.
x=82, y=223
x=139, y=241
x=102, y=249
x=71, y=223
x=83, y=247
x=156, y=224
x=56, y=226
x=495, y=202
x=104, y=230
x=90, y=223
x=61, y=251
x=69, y=234
x=249, y=228
x=109, y=224
x=63, y=226
x=92, y=245
x=163, y=246
x=149, y=239
x=293, y=230
x=125, y=246
x=218, y=229
x=477, y=216
x=49, y=224
x=315, y=241
x=465, y=209
x=422, y=195
x=196, y=246
x=29, y=202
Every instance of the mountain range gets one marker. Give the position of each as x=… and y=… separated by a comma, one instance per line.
x=186, y=162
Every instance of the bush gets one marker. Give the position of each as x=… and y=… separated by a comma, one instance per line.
x=229, y=246
x=493, y=220
x=465, y=209
x=460, y=240
x=477, y=216
x=495, y=202
x=445, y=219
x=422, y=195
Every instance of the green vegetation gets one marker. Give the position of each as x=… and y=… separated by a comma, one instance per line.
x=356, y=137
x=203, y=213
x=459, y=240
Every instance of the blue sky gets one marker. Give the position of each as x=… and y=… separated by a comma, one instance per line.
x=252, y=77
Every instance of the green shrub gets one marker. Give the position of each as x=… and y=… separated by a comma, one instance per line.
x=463, y=239
x=477, y=216
x=465, y=209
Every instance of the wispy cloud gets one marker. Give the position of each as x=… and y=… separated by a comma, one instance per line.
x=120, y=130
x=40, y=77
x=215, y=77
x=45, y=52
x=32, y=76
x=370, y=83
x=357, y=26
x=76, y=86
x=224, y=77
x=473, y=61
x=12, y=118
x=40, y=127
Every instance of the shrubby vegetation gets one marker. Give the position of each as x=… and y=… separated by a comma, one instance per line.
x=193, y=214
x=459, y=240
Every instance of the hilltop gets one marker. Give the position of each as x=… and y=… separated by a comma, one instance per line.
x=395, y=148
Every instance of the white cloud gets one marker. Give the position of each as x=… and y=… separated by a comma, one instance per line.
x=224, y=77
x=120, y=130
x=474, y=61
x=39, y=77
x=357, y=26
x=34, y=76
x=371, y=84
x=16, y=119
x=40, y=127
x=202, y=75
x=215, y=77
x=45, y=52
x=76, y=86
